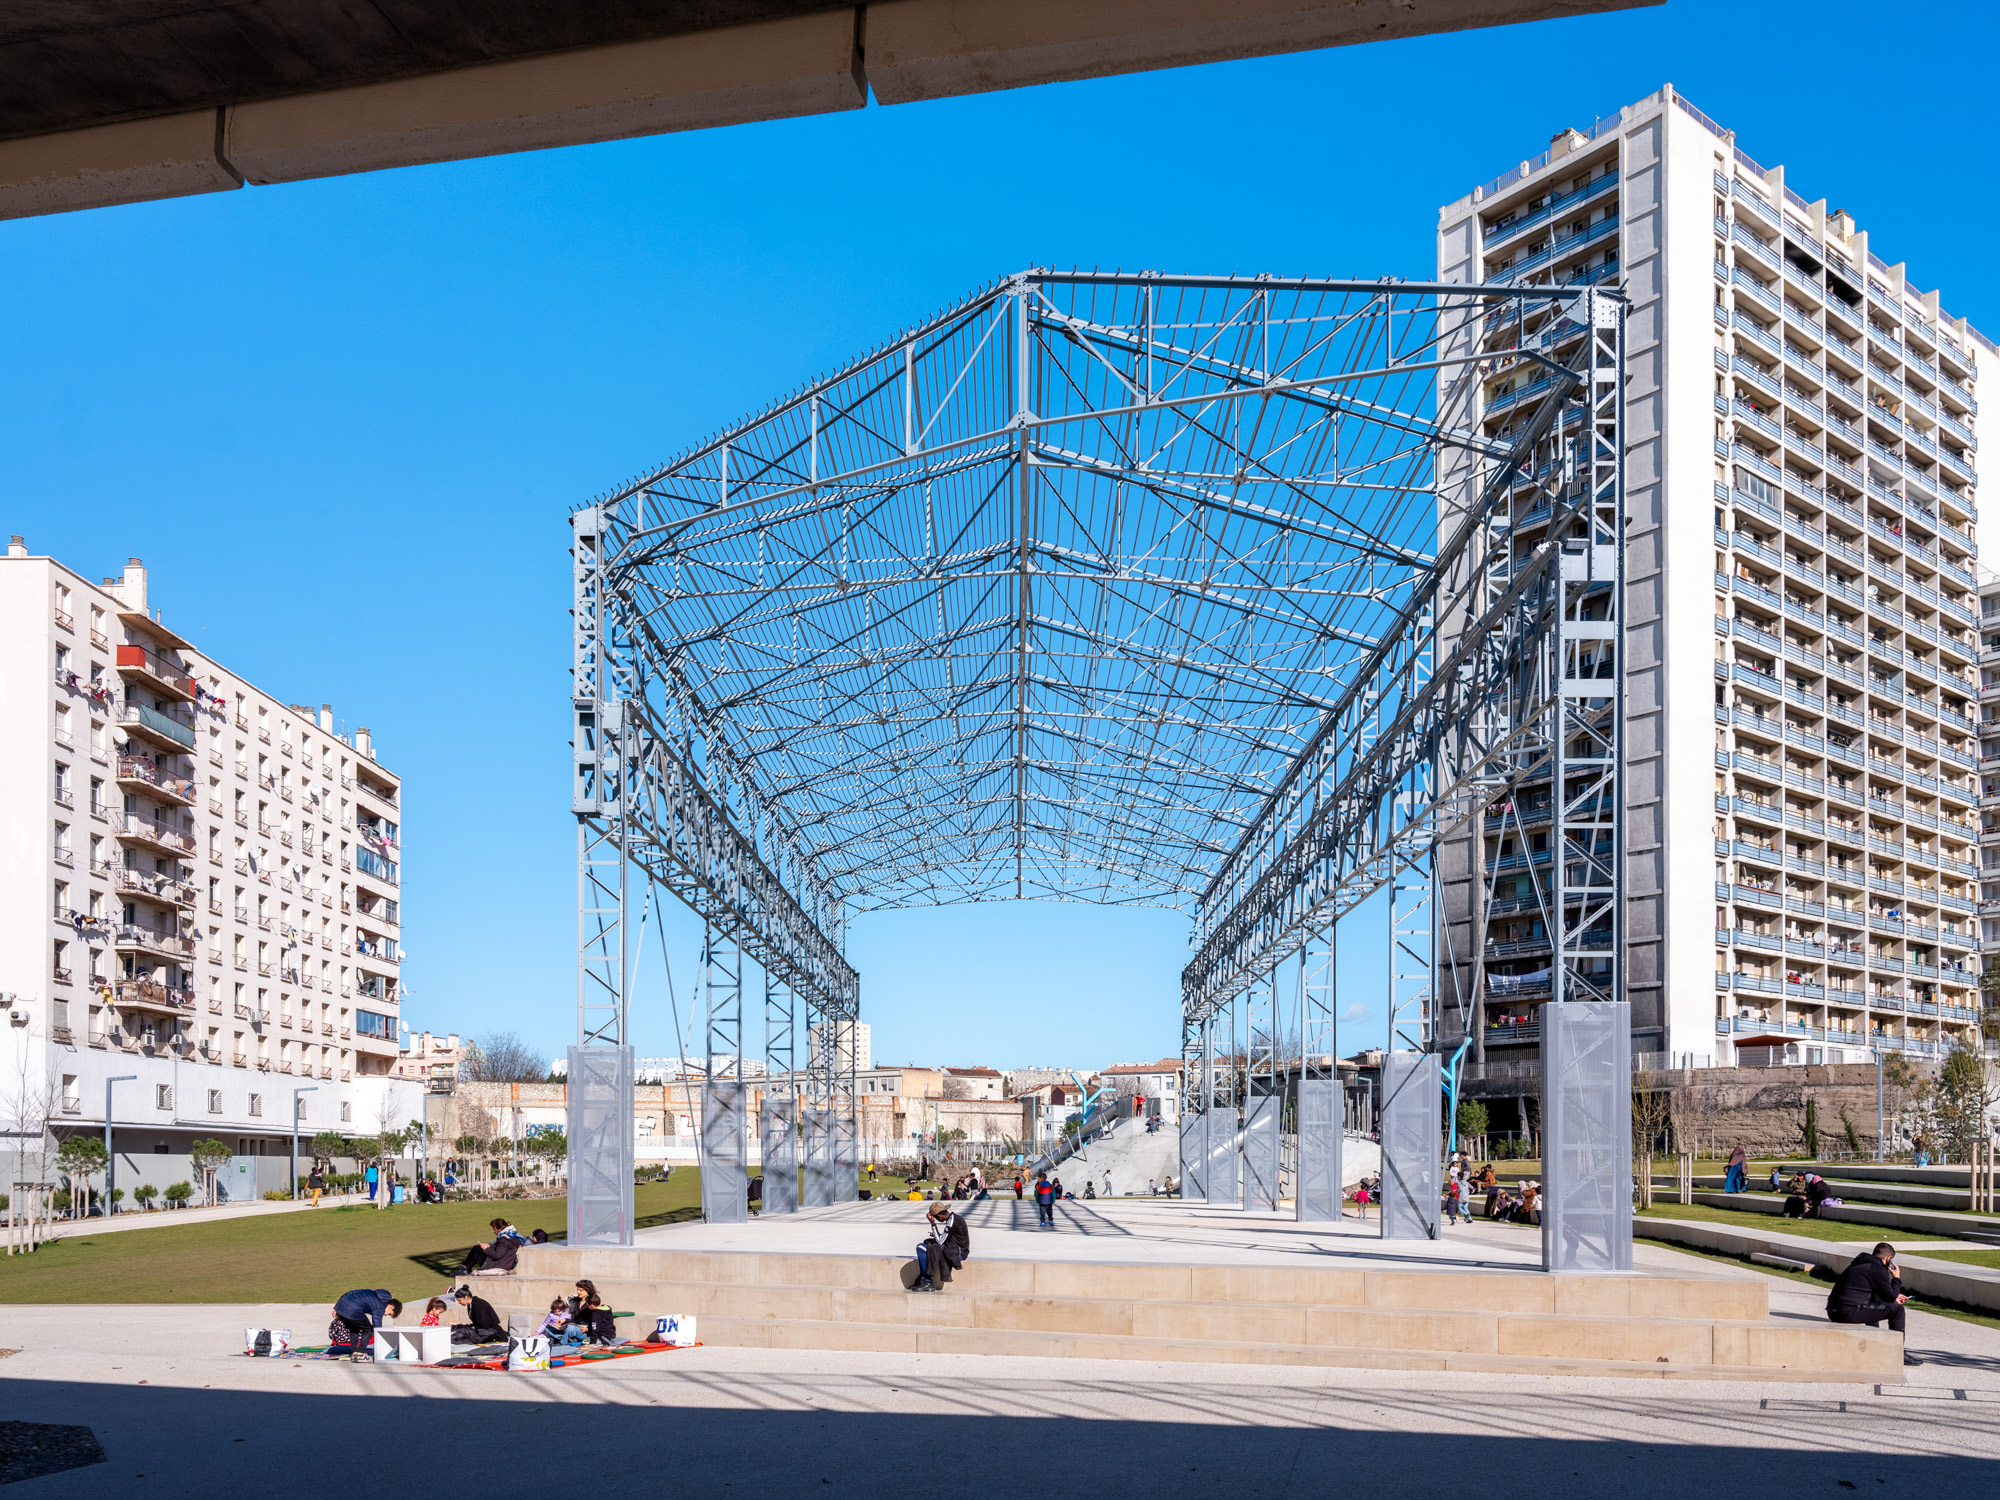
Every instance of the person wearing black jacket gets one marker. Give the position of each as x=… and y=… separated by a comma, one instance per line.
x=946, y=1244
x=1870, y=1291
x=483, y=1325
x=356, y=1316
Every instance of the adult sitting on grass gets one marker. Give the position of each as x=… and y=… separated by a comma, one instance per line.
x=482, y=1325
x=1870, y=1291
x=356, y=1316
x=494, y=1257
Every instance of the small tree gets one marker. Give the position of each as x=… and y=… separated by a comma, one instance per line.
x=1959, y=1101
x=1812, y=1129
x=79, y=1157
x=1652, y=1110
x=1471, y=1120
x=209, y=1157
x=144, y=1194
x=328, y=1144
x=178, y=1194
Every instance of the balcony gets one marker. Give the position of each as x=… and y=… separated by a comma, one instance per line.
x=168, y=733
x=144, y=995
x=136, y=770
x=137, y=664
x=157, y=887
x=133, y=938
x=154, y=835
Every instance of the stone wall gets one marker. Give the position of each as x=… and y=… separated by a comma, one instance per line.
x=1761, y=1109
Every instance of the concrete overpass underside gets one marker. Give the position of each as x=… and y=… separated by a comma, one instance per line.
x=120, y=101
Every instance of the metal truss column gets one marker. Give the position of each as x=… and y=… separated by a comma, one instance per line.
x=725, y=1197
x=1586, y=1064
x=1263, y=1100
x=846, y=1122
x=600, y=1144
x=1321, y=1115
x=1197, y=1099
x=779, y=1119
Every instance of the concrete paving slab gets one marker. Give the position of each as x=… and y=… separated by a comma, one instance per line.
x=180, y=1412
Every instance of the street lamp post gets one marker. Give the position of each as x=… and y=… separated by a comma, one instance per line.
x=109, y=1168
x=308, y=1089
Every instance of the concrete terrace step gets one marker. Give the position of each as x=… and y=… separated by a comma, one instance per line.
x=1873, y=1357
x=1862, y=1215
x=1336, y=1315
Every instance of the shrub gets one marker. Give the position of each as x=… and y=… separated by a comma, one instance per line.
x=143, y=1195
x=59, y=1200
x=275, y=1195
x=117, y=1196
x=178, y=1193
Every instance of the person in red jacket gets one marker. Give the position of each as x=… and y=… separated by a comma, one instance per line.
x=1017, y=1185
x=1045, y=1202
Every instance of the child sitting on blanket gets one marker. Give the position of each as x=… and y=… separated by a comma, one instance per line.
x=557, y=1321
x=433, y=1311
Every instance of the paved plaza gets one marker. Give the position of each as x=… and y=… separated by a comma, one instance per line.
x=179, y=1411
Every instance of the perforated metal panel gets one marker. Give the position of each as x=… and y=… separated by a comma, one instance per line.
x=1318, y=1188
x=1411, y=1121
x=1194, y=1164
x=1223, y=1179
x=1587, y=1136
x=780, y=1146
x=600, y=1145
x=725, y=1178
x=821, y=1175
x=1260, y=1151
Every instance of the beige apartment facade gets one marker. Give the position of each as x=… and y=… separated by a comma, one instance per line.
x=202, y=885
x=1801, y=633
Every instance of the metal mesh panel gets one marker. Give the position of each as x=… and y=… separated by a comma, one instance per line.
x=820, y=1173
x=600, y=1145
x=1317, y=1193
x=1587, y=1136
x=1411, y=1120
x=780, y=1145
x=1260, y=1152
x=725, y=1191
x=1222, y=1158
x=1194, y=1166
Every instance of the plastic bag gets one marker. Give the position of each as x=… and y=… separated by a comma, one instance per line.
x=267, y=1343
x=676, y=1330
x=529, y=1353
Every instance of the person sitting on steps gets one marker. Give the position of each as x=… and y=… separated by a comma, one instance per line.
x=492, y=1257
x=946, y=1245
x=1870, y=1291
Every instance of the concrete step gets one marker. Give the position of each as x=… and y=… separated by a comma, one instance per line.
x=1275, y=1314
x=1747, y=1353
x=1863, y=1215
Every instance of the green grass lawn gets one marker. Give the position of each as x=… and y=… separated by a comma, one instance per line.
x=1990, y=1259
x=1815, y=1229
x=312, y=1255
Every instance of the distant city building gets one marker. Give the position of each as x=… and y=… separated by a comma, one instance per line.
x=864, y=1051
x=432, y=1058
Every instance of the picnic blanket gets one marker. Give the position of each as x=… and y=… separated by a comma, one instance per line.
x=494, y=1356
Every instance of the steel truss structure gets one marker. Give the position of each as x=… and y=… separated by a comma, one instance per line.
x=1123, y=588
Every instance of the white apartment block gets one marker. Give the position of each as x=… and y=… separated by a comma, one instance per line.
x=201, y=887
x=1803, y=845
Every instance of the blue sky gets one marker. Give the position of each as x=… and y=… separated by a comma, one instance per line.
x=343, y=421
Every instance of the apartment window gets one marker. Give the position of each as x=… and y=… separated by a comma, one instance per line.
x=298, y=1107
x=346, y=1112
x=70, y=1103
x=257, y=1106
x=163, y=1096
x=62, y=898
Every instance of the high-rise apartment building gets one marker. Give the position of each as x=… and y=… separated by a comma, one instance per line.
x=1801, y=632
x=199, y=888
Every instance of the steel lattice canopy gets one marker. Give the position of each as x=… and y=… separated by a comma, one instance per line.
x=1043, y=598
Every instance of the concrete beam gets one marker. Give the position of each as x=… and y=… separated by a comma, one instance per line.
x=800, y=65
x=171, y=157
x=932, y=49
x=769, y=70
